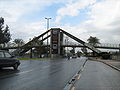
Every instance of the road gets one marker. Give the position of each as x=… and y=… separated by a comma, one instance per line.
x=98, y=76
x=40, y=74
x=55, y=74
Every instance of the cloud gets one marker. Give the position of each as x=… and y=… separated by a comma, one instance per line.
x=104, y=21
x=73, y=9
x=26, y=31
x=13, y=10
x=105, y=12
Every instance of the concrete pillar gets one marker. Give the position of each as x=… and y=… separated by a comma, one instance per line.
x=31, y=52
x=55, y=43
x=119, y=48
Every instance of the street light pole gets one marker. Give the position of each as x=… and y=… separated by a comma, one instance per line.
x=47, y=33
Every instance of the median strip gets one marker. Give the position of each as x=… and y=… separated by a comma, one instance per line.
x=70, y=84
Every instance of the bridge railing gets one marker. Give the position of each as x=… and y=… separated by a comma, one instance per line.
x=108, y=45
x=71, y=43
x=99, y=45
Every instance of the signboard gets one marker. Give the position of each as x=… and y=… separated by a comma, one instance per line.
x=55, y=41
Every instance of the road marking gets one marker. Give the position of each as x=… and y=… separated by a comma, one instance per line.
x=73, y=88
x=79, y=76
x=70, y=84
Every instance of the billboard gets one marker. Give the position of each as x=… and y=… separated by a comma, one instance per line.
x=55, y=41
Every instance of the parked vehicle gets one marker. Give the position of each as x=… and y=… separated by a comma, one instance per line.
x=7, y=60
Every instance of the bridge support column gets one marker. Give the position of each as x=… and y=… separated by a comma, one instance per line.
x=55, y=45
x=31, y=53
x=119, y=48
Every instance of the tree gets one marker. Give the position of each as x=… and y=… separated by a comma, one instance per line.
x=79, y=53
x=72, y=51
x=84, y=50
x=93, y=40
x=38, y=51
x=19, y=42
x=5, y=36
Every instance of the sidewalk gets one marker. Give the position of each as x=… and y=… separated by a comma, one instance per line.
x=112, y=63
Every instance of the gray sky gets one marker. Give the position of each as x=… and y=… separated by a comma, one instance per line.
x=82, y=18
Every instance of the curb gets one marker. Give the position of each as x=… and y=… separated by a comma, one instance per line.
x=112, y=66
x=118, y=69
x=71, y=83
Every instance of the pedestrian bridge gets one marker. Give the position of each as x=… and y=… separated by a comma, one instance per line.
x=57, y=42
x=101, y=45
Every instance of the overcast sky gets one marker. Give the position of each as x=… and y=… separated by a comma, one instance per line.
x=82, y=18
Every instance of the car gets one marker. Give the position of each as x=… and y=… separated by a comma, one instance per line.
x=74, y=56
x=8, y=60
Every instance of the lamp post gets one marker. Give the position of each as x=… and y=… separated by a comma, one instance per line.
x=47, y=33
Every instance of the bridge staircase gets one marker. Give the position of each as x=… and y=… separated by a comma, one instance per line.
x=82, y=42
x=30, y=44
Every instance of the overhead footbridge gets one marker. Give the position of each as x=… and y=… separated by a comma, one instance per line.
x=56, y=36
x=82, y=42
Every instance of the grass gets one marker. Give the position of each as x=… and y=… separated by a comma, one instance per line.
x=31, y=58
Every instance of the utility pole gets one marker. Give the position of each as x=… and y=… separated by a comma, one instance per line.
x=47, y=33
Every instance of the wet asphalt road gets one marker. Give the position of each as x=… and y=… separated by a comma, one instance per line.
x=98, y=76
x=54, y=75
x=40, y=74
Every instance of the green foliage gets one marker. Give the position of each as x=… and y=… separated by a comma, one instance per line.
x=19, y=42
x=84, y=50
x=5, y=36
x=72, y=51
x=39, y=50
x=93, y=40
x=79, y=53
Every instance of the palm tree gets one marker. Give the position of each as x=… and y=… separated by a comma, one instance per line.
x=93, y=40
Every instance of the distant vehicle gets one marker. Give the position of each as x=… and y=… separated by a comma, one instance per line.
x=74, y=56
x=106, y=55
x=7, y=60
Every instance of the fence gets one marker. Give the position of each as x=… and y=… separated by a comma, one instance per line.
x=116, y=56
